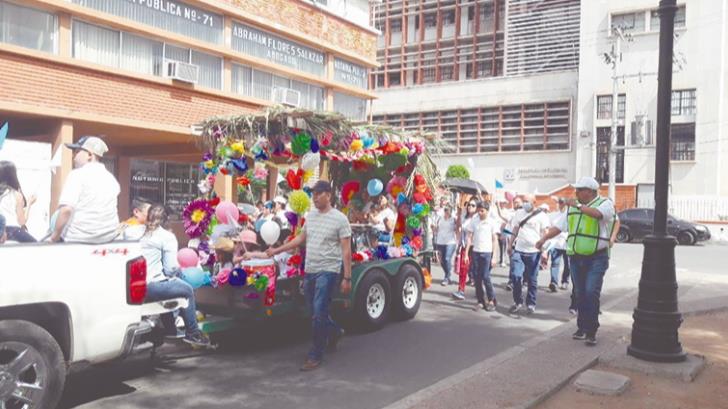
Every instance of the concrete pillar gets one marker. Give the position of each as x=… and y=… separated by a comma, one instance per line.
x=225, y=188
x=124, y=178
x=64, y=35
x=62, y=134
x=272, y=183
x=329, y=103
x=227, y=81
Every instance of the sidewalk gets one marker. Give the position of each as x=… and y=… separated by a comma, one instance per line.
x=526, y=375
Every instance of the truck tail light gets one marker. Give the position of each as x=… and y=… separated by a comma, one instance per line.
x=136, y=281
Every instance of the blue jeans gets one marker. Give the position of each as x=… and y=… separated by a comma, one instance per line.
x=525, y=267
x=319, y=288
x=176, y=288
x=588, y=275
x=481, y=274
x=446, y=253
x=556, y=256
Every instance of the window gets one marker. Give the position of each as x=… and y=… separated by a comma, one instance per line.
x=394, y=79
x=350, y=106
x=604, y=106
x=428, y=75
x=395, y=25
x=634, y=22
x=604, y=142
x=27, y=27
x=641, y=132
x=679, y=19
x=682, y=142
x=172, y=184
x=448, y=17
x=259, y=84
x=683, y=102
x=130, y=52
x=430, y=20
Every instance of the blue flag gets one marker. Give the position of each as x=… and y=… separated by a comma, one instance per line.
x=498, y=184
x=3, y=134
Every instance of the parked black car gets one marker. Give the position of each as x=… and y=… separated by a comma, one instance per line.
x=637, y=223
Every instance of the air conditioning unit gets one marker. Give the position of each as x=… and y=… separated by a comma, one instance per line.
x=181, y=71
x=287, y=96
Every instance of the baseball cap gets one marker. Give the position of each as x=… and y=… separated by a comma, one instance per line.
x=587, y=183
x=321, y=186
x=91, y=144
x=268, y=204
x=280, y=199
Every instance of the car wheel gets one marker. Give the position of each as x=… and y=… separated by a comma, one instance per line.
x=623, y=236
x=32, y=367
x=407, y=292
x=686, y=238
x=372, y=302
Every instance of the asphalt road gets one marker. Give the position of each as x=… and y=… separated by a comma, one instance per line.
x=258, y=367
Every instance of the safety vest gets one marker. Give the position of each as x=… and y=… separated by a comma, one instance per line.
x=584, y=237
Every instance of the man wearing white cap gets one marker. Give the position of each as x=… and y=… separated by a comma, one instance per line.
x=88, y=210
x=589, y=222
x=280, y=211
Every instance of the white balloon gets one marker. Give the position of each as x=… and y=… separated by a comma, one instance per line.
x=310, y=160
x=270, y=231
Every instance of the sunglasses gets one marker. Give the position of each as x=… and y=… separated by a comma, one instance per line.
x=471, y=205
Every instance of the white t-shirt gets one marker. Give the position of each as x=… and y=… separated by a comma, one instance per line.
x=605, y=223
x=464, y=223
x=446, y=231
x=92, y=192
x=8, y=208
x=558, y=242
x=531, y=231
x=159, y=249
x=483, y=232
x=388, y=214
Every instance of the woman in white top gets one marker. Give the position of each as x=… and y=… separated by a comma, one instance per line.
x=13, y=204
x=464, y=265
x=383, y=218
x=446, y=239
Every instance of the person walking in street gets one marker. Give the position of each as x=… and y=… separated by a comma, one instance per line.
x=483, y=240
x=13, y=204
x=589, y=223
x=508, y=232
x=530, y=224
x=557, y=251
x=464, y=265
x=446, y=239
x=327, y=237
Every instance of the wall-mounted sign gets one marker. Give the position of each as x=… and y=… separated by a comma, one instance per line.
x=513, y=174
x=350, y=73
x=170, y=15
x=258, y=43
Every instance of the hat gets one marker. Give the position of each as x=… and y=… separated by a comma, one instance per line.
x=268, y=205
x=587, y=183
x=321, y=186
x=280, y=199
x=248, y=236
x=90, y=144
x=224, y=244
x=544, y=206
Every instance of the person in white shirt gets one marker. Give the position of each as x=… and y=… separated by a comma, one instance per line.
x=483, y=240
x=13, y=204
x=446, y=239
x=464, y=267
x=280, y=203
x=508, y=227
x=557, y=251
x=528, y=224
x=88, y=204
x=383, y=218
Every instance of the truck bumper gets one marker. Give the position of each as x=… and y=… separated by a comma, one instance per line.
x=134, y=336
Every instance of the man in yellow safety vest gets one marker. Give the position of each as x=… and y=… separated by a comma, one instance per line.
x=589, y=222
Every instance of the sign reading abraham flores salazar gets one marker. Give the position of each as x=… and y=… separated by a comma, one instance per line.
x=258, y=43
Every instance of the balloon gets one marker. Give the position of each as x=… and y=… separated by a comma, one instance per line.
x=310, y=160
x=417, y=208
x=187, y=257
x=194, y=276
x=374, y=187
x=510, y=196
x=270, y=231
x=227, y=212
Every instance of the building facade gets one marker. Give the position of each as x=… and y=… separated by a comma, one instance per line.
x=141, y=73
x=496, y=78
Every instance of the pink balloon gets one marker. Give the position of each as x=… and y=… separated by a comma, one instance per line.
x=227, y=212
x=509, y=196
x=187, y=258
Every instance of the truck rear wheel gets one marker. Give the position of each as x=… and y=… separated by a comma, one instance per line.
x=373, y=296
x=32, y=370
x=407, y=293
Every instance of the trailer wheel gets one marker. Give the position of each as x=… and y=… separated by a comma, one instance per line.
x=407, y=293
x=372, y=301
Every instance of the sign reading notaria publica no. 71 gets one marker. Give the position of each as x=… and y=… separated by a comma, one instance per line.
x=350, y=73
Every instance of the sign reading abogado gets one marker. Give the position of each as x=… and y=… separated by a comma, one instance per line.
x=350, y=73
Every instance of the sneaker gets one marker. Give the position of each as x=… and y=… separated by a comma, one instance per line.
x=564, y=286
x=310, y=365
x=579, y=335
x=509, y=287
x=502, y=264
x=197, y=340
x=458, y=295
x=552, y=287
x=515, y=308
x=490, y=306
x=470, y=283
x=179, y=334
x=334, y=340
x=572, y=311
x=591, y=340
x=530, y=309
x=479, y=307
x=445, y=282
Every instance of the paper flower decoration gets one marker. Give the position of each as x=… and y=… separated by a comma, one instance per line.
x=241, y=165
x=314, y=145
x=260, y=173
x=261, y=282
x=301, y=143
x=396, y=185
x=299, y=201
x=356, y=145
x=243, y=181
x=327, y=138
x=238, y=148
x=348, y=191
x=294, y=178
x=413, y=221
x=307, y=175
x=294, y=260
x=197, y=216
x=310, y=160
x=417, y=243
x=417, y=209
x=292, y=218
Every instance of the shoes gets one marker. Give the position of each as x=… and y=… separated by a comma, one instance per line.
x=470, y=283
x=564, y=286
x=458, y=295
x=310, y=365
x=530, y=309
x=479, y=307
x=197, y=340
x=490, y=306
x=515, y=308
x=579, y=335
x=445, y=282
x=334, y=340
x=509, y=287
x=179, y=334
x=572, y=311
x=502, y=264
x=591, y=340
x=552, y=287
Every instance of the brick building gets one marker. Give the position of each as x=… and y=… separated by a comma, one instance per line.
x=141, y=73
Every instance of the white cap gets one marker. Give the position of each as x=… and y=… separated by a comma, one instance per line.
x=280, y=199
x=90, y=144
x=544, y=206
x=587, y=183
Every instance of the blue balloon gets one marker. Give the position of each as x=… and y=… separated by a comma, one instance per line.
x=259, y=223
x=374, y=187
x=194, y=276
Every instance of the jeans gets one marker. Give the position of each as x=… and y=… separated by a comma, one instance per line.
x=525, y=267
x=588, y=275
x=16, y=233
x=446, y=253
x=318, y=288
x=176, y=288
x=481, y=271
x=556, y=256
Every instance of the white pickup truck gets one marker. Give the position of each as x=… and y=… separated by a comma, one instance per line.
x=63, y=306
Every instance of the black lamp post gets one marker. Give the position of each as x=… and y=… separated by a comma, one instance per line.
x=657, y=318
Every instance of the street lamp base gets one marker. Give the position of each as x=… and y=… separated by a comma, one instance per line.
x=657, y=318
